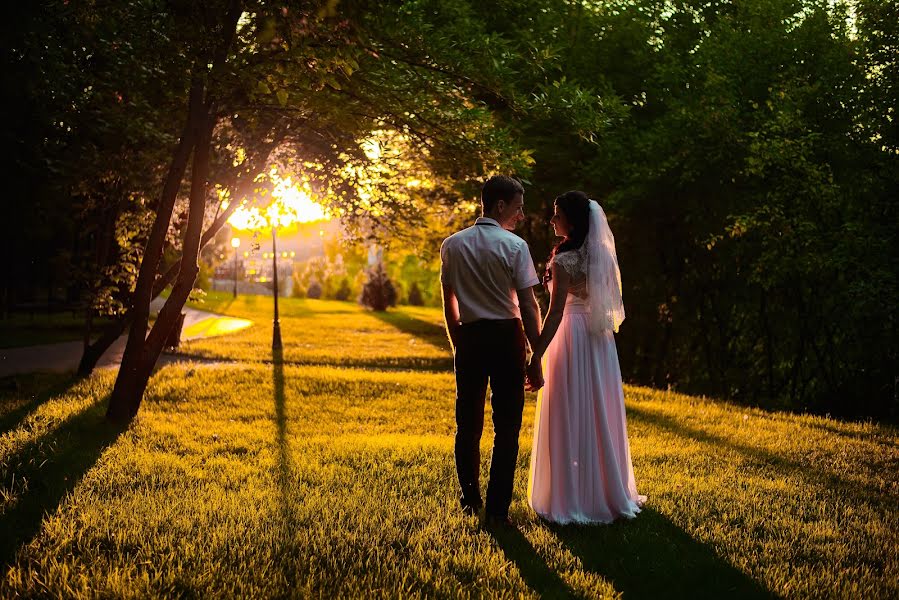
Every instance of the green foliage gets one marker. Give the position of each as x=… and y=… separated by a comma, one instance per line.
x=751, y=190
x=204, y=279
x=324, y=273
x=415, y=298
x=297, y=289
x=303, y=87
x=745, y=152
x=79, y=149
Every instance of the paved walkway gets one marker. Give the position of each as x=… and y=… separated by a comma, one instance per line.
x=64, y=356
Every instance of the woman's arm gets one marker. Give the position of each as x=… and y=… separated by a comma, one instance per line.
x=561, y=280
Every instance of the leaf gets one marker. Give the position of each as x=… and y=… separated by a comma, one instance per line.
x=282, y=97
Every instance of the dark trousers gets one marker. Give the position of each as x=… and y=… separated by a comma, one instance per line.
x=494, y=352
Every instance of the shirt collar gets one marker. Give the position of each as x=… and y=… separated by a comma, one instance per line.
x=486, y=221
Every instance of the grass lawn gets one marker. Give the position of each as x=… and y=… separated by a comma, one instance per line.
x=319, y=477
x=326, y=332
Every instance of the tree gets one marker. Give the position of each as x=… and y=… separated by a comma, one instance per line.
x=415, y=298
x=748, y=184
x=343, y=292
x=314, y=291
x=333, y=79
x=378, y=293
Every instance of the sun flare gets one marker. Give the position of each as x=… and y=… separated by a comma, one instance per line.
x=291, y=204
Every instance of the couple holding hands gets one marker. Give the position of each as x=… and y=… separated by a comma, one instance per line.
x=581, y=467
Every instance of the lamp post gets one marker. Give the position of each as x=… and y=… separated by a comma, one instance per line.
x=235, y=243
x=276, y=325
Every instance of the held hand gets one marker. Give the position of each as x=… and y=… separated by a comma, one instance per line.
x=534, y=375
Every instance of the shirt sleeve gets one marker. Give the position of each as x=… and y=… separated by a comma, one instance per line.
x=444, y=263
x=524, y=274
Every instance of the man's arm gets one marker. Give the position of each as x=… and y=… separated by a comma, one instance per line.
x=530, y=318
x=450, y=312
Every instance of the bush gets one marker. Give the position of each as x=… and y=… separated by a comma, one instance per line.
x=204, y=277
x=344, y=291
x=298, y=289
x=314, y=291
x=415, y=298
x=378, y=293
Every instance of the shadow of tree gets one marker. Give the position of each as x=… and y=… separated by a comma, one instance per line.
x=38, y=388
x=822, y=479
x=650, y=557
x=52, y=466
x=426, y=331
x=533, y=569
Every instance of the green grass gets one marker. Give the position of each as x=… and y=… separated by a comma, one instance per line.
x=264, y=479
x=325, y=332
x=24, y=330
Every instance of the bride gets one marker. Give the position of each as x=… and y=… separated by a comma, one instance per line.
x=581, y=467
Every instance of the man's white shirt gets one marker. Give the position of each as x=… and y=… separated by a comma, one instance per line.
x=485, y=265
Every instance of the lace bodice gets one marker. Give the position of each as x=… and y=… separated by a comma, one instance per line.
x=575, y=264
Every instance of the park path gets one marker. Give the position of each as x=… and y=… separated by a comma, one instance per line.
x=64, y=356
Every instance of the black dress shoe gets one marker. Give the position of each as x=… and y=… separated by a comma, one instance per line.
x=497, y=521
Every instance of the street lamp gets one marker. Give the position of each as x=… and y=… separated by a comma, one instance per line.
x=276, y=325
x=235, y=243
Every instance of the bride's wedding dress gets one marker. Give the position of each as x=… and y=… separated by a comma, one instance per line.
x=581, y=467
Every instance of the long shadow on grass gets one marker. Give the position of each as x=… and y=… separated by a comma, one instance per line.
x=425, y=331
x=40, y=387
x=829, y=481
x=533, y=569
x=650, y=557
x=52, y=466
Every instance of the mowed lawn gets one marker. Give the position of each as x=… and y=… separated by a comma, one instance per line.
x=322, y=332
x=331, y=474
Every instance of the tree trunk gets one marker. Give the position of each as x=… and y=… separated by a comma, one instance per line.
x=137, y=365
x=93, y=352
x=142, y=351
x=134, y=359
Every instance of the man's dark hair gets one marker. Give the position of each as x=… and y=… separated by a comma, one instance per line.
x=499, y=187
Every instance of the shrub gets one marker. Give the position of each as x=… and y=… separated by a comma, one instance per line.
x=344, y=291
x=298, y=289
x=314, y=291
x=378, y=293
x=415, y=298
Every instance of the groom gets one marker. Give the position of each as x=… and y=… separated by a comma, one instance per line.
x=487, y=277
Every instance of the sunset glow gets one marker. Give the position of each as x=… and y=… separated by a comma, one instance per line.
x=291, y=204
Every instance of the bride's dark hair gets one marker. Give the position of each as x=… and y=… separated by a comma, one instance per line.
x=575, y=205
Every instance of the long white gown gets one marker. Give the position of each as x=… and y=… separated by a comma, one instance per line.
x=581, y=467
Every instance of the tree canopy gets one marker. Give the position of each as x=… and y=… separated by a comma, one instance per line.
x=746, y=153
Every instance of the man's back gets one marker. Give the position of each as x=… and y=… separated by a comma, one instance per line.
x=485, y=265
